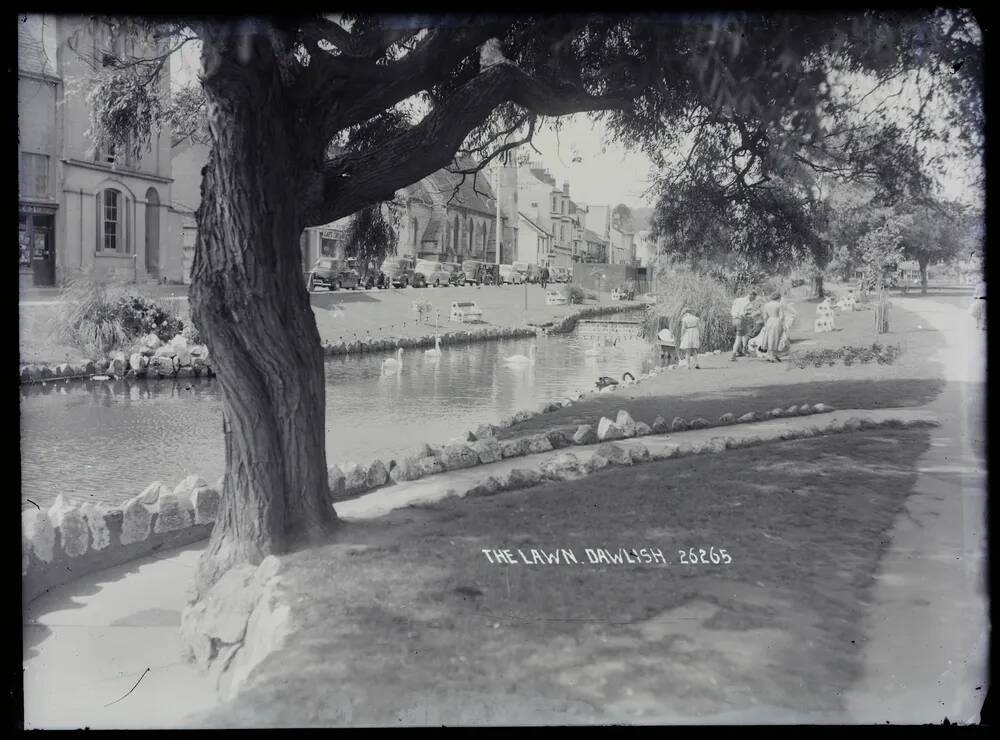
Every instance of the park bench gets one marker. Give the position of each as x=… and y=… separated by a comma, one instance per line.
x=464, y=310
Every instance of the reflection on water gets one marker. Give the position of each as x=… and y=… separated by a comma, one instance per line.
x=107, y=440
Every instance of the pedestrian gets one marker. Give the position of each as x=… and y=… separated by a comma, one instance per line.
x=668, y=344
x=544, y=276
x=774, y=328
x=742, y=315
x=978, y=306
x=690, y=337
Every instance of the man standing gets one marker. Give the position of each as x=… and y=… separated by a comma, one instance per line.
x=543, y=276
x=742, y=316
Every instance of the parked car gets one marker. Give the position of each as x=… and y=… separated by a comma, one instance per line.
x=332, y=274
x=456, y=276
x=433, y=273
x=523, y=268
x=510, y=276
x=398, y=271
x=560, y=274
x=472, y=270
x=490, y=273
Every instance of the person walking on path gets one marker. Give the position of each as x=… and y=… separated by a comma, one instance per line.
x=690, y=338
x=543, y=276
x=742, y=316
x=774, y=328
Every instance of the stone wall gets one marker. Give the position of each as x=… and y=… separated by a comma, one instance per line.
x=150, y=358
x=69, y=540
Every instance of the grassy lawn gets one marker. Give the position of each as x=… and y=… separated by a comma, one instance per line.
x=722, y=386
x=402, y=620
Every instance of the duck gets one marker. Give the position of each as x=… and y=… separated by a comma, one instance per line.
x=521, y=359
x=436, y=352
x=393, y=363
x=604, y=381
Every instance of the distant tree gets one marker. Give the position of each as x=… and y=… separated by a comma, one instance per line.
x=621, y=217
x=936, y=231
x=373, y=234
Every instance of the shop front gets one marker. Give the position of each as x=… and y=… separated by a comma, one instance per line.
x=37, y=245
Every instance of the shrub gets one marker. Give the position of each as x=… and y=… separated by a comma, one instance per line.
x=99, y=316
x=848, y=355
x=574, y=293
x=141, y=315
x=710, y=300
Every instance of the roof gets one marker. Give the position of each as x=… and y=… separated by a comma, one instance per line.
x=432, y=230
x=592, y=236
x=474, y=191
x=531, y=223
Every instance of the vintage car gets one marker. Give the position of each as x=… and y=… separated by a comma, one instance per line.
x=524, y=268
x=472, y=271
x=432, y=273
x=398, y=271
x=332, y=274
x=560, y=274
x=456, y=275
x=510, y=276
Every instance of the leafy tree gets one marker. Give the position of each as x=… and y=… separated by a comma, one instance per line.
x=621, y=217
x=313, y=118
x=372, y=234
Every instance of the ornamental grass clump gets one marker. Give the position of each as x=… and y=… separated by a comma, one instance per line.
x=680, y=288
x=100, y=317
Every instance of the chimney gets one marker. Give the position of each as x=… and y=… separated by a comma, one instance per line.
x=566, y=188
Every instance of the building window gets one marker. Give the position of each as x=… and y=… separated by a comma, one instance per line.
x=555, y=204
x=328, y=247
x=34, y=175
x=470, y=235
x=114, y=221
x=413, y=229
x=484, y=239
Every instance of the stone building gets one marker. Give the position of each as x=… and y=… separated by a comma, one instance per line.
x=105, y=212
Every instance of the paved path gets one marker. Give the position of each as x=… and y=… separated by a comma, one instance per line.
x=929, y=625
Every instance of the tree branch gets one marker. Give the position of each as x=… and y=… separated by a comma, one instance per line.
x=352, y=180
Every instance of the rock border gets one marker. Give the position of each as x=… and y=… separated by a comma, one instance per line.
x=68, y=540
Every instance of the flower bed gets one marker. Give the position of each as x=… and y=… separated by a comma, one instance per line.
x=848, y=355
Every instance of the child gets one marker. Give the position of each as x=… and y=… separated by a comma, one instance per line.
x=690, y=338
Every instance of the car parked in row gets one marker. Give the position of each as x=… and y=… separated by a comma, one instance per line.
x=456, y=276
x=510, y=276
x=398, y=271
x=432, y=273
x=331, y=274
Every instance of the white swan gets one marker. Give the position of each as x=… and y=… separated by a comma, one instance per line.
x=521, y=359
x=393, y=363
x=436, y=352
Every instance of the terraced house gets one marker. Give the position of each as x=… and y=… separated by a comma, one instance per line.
x=79, y=208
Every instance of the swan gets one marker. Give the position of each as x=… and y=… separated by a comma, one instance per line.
x=393, y=363
x=521, y=359
x=436, y=352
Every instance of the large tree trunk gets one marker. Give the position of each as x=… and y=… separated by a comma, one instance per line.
x=249, y=300
x=817, y=285
x=923, y=276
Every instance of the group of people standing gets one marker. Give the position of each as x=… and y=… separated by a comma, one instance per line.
x=765, y=323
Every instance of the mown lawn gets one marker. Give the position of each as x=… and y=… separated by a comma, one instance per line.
x=402, y=620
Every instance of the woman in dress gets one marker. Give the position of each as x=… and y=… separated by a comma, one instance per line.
x=770, y=337
x=690, y=337
x=978, y=306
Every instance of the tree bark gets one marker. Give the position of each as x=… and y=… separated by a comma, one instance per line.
x=248, y=299
x=817, y=285
x=923, y=276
